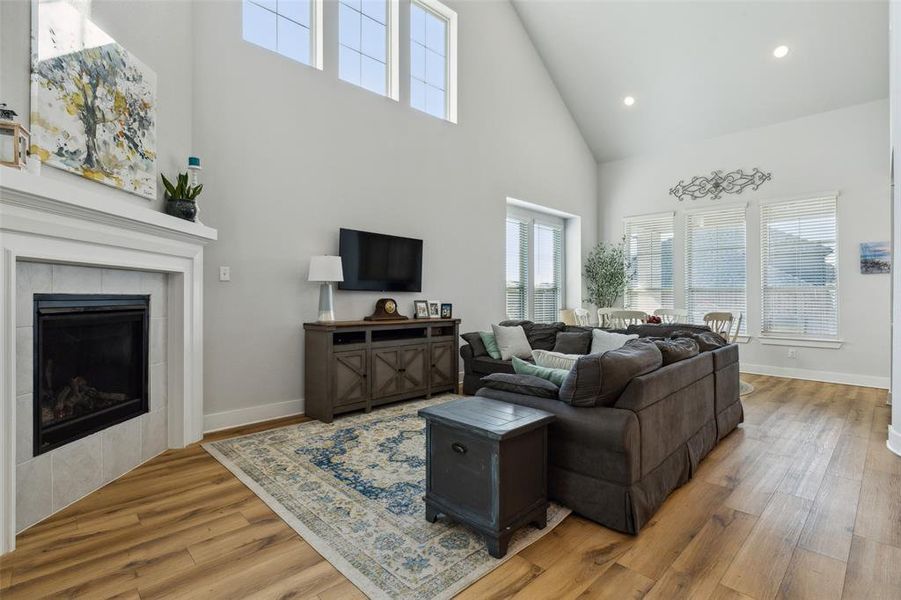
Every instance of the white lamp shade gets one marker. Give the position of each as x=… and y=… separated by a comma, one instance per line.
x=326, y=268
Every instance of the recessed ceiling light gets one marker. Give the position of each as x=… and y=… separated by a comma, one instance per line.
x=780, y=51
x=628, y=100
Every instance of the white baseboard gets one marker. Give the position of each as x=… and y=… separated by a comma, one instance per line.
x=811, y=375
x=252, y=414
x=894, y=440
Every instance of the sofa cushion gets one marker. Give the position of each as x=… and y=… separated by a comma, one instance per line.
x=602, y=341
x=474, y=339
x=528, y=385
x=599, y=379
x=676, y=350
x=555, y=376
x=490, y=343
x=541, y=336
x=554, y=360
x=707, y=340
x=573, y=342
x=511, y=341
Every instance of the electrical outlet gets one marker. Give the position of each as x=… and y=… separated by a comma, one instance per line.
x=225, y=273
x=793, y=353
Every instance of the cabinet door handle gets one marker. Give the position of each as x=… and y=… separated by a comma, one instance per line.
x=458, y=448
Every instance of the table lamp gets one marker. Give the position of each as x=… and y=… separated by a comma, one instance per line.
x=326, y=270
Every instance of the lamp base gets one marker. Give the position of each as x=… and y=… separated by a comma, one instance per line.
x=326, y=302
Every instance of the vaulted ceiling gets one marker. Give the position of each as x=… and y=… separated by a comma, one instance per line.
x=703, y=69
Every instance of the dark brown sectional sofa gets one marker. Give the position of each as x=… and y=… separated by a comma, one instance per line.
x=616, y=463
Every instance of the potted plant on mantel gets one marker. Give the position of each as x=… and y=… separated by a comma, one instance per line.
x=607, y=271
x=180, y=197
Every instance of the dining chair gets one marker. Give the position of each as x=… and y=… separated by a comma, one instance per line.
x=566, y=316
x=581, y=317
x=737, y=328
x=672, y=315
x=604, y=316
x=720, y=322
x=620, y=319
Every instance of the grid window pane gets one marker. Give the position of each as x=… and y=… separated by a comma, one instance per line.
x=376, y=9
x=280, y=25
x=349, y=27
x=435, y=33
x=354, y=4
x=374, y=40
x=349, y=65
x=417, y=62
x=296, y=10
x=434, y=70
x=417, y=94
x=259, y=26
x=435, y=102
x=417, y=23
x=373, y=76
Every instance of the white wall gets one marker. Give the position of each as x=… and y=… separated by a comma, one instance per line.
x=292, y=153
x=844, y=150
x=158, y=32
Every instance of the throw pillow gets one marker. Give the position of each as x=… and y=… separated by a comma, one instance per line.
x=555, y=376
x=599, y=379
x=573, y=342
x=474, y=339
x=604, y=341
x=676, y=350
x=520, y=384
x=490, y=344
x=554, y=360
x=511, y=341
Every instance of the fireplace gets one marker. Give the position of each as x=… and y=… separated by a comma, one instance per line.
x=90, y=364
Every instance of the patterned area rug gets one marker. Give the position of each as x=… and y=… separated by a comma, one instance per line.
x=353, y=490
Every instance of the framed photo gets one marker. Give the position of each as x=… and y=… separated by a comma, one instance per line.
x=447, y=310
x=420, y=309
x=434, y=309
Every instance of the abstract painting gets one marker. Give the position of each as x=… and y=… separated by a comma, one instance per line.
x=93, y=104
x=875, y=257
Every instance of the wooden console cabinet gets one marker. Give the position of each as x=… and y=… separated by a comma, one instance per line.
x=353, y=365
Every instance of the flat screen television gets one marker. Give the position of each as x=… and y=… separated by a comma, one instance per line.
x=380, y=263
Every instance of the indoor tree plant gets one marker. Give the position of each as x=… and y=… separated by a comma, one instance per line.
x=607, y=271
x=180, y=197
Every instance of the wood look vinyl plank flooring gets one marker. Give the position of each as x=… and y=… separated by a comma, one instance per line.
x=802, y=501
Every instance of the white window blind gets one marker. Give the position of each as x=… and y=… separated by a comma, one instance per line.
x=799, y=268
x=517, y=267
x=548, y=269
x=715, y=263
x=649, y=244
x=534, y=266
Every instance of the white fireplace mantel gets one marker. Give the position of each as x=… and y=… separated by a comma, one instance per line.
x=48, y=220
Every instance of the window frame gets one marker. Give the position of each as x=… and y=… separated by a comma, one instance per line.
x=688, y=252
x=392, y=50
x=789, y=338
x=628, y=222
x=316, y=33
x=533, y=218
x=450, y=17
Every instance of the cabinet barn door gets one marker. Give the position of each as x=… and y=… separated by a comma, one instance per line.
x=443, y=363
x=415, y=361
x=351, y=381
x=386, y=368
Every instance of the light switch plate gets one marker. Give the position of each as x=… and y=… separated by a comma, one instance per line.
x=225, y=273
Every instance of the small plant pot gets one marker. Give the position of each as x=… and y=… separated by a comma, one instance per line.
x=181, y=208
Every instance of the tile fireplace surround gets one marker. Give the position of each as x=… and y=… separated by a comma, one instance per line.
x=81, y=240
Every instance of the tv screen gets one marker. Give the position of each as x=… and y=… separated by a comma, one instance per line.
x=380, y=263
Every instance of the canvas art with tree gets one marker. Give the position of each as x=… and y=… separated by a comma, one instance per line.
x=93, y=103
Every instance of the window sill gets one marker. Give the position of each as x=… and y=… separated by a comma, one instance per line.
x=742, y=339
x=830, y=344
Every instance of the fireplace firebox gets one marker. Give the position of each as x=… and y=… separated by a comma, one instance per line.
x=91, y=355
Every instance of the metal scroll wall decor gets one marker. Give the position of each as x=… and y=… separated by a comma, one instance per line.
x=717, y=184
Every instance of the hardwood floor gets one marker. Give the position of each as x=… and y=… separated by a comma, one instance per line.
x=803, y=501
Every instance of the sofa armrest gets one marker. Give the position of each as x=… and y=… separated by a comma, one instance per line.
x=466, y=355
x=646, y=390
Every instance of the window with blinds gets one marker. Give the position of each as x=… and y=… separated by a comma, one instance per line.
x=799, y=269
x=716, y=263
x=649, y=243
x=534, y=266
x=517, y=267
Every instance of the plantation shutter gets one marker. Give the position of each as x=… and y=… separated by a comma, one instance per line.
x=799, y=267
x=517, y=267
x=649, y=246
x=548, y=268
x=716, y=263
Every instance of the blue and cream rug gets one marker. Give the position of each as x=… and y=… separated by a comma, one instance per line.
x=353, y=490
